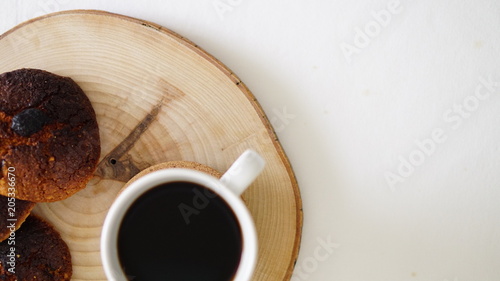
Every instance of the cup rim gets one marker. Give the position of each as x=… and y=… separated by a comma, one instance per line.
x=112, y=222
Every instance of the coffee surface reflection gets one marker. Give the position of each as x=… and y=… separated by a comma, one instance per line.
x=179, y=231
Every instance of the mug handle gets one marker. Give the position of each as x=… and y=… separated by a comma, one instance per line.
x=243, y=171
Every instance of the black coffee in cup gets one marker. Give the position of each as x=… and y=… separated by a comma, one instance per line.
x=180, y=231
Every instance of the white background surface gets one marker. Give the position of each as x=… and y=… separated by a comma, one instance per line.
x=348, y=121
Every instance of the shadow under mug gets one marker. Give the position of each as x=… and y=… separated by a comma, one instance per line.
x=184, y=223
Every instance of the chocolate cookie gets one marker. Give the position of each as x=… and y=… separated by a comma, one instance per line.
x=13, y=212
x=49, y=138
x=36, y=253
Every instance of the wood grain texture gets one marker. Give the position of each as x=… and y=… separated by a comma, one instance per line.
x=158, y=97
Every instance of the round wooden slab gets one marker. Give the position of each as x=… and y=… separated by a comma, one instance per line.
x=158, y=98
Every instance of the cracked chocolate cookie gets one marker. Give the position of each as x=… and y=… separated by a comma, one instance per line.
x=37, y=252
x=49, y=138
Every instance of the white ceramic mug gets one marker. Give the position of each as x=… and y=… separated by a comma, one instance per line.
x=229, y=188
